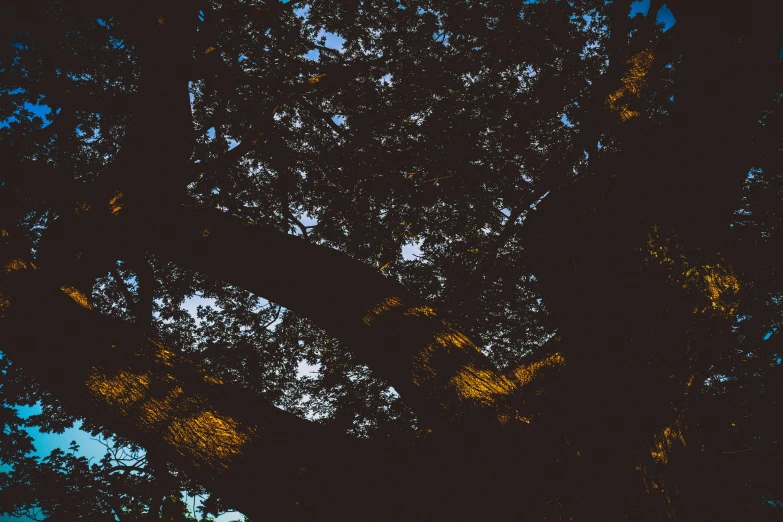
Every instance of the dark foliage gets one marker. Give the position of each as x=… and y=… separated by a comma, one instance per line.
x=593, y=201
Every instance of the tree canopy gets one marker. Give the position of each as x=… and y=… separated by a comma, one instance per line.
x=588, y=326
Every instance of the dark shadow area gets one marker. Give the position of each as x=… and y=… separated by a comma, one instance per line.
x=393, y=260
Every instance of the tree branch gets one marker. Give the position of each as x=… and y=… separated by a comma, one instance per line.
x=126, y=469
x=146, y=279
x=290, y=216
x=159, y=399
x=326, y=118
x=117, y=508
x=277, y=316
x=132, y=306
x=331, y=77
x=438, y=370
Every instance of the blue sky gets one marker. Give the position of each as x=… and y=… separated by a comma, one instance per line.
x=37, y=110
x=664, y=15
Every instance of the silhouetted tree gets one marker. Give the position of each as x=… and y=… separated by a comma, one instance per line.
x=590, y=328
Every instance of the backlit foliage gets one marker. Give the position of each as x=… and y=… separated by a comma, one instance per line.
x=5, y=303
x=633, y=80
x=75, y=294
x=718, y=286
x=481, y=385
x=421, y=311
x=209, y=438
x=81, y=207
x=474, y=386
x=124, y=390
x=185, y=421
x=525, y=374
x=115, y=203
x=664, y=441
x=384, y=306
x=655, y=484
x=654, y=474
x=487, y=387
x=17, y=264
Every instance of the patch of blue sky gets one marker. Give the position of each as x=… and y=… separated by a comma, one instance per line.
x=640, y=7
x=231, y=516
x=442, y=37
x=307, y=220
x=231, y=142
x=194, y=503
x=412, y=250
x=116, y=42
x=305, y=369
x=94, y=135
x=666, y=18
x=331, y=40
x=664, y=15
x=44, y=443
x=591, y=46
x=38, y=110
x=192, y=303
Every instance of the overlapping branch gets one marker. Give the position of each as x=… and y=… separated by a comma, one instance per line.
x=133, y=385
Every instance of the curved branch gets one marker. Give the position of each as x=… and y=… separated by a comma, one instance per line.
x=159, y=399
x=290, y=216
x=437, y=369
x=125, y=469
x=335, y=52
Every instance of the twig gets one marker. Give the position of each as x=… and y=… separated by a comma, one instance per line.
x=277, y=316
x=329, y=121
x=436, y=179
x=124, y=291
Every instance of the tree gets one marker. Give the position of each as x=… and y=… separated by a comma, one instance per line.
x=589, y=333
